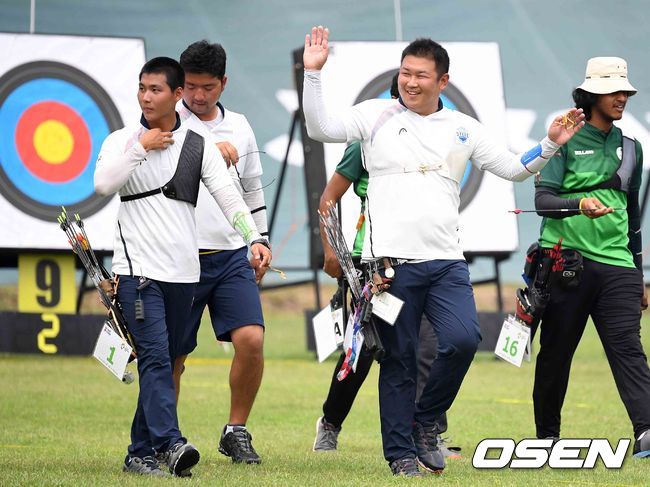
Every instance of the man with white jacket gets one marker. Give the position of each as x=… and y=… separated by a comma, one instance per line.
x=156, y=168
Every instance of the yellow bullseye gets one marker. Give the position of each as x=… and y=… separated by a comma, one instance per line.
x=53, y=142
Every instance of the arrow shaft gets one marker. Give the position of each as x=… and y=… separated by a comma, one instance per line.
x=558, y=210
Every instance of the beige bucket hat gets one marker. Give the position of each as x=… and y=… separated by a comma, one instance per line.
x=606, y=75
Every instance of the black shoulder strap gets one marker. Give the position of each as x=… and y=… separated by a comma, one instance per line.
x=628, y=163
x=622, y=177
x=184, y=185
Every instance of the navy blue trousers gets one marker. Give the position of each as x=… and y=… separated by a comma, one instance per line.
x=166, y=309
x=441, y=290
x=342, y=394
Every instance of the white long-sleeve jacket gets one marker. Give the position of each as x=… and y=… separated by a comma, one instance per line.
x=415, y=165
x=156, y=236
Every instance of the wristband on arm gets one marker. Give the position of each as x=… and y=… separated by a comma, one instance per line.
x=261, y=241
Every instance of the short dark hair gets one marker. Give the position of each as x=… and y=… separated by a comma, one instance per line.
x=203, y=57
x=167, y=66
x=424, y=47
x=394, y=91
x=585, y=100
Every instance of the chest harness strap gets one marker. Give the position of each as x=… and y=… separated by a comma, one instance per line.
x=184, y=185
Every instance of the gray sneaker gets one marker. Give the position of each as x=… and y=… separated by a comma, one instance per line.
x=449, y=452
x=326, y=435
x=143, y=466
x=180, y=459
x=642, y=445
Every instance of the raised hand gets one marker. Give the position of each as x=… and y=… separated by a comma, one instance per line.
x=228, y=152
x=155, y=139
x=566, y=126
x=316, y=48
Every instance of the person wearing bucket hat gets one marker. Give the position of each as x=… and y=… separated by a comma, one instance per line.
x=606, y=75
x=597, y=177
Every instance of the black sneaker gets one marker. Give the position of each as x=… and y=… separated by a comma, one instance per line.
x=180, y=459
x=237, y=445
x=405, y=467
x=429, y=456
x=143, y=466
x=642, y=445
x=554, y=440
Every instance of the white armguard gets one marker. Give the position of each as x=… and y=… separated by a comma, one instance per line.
x=236, y=212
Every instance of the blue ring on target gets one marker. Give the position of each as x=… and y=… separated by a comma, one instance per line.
x=15, y=105
x=453, y=99
x=23, y=90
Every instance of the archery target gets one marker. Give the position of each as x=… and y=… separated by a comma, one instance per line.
x=60, y=97
x=451, y=98
x=54, y=119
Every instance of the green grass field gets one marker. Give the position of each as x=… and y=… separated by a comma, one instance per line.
x=65, y=421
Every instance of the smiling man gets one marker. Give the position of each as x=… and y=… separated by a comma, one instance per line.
x=415, y=154
x=598, y=170
x=157, y=167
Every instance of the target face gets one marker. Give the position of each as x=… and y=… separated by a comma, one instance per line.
x=54, y=119
x=453, y=99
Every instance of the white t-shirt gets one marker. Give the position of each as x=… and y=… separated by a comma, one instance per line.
x=156, y=236
x=214, y=231
x=415, y=165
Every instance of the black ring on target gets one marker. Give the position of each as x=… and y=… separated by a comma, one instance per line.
x=54, y=119
x=452, y=98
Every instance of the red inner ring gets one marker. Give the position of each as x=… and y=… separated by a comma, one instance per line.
x=26, y=127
